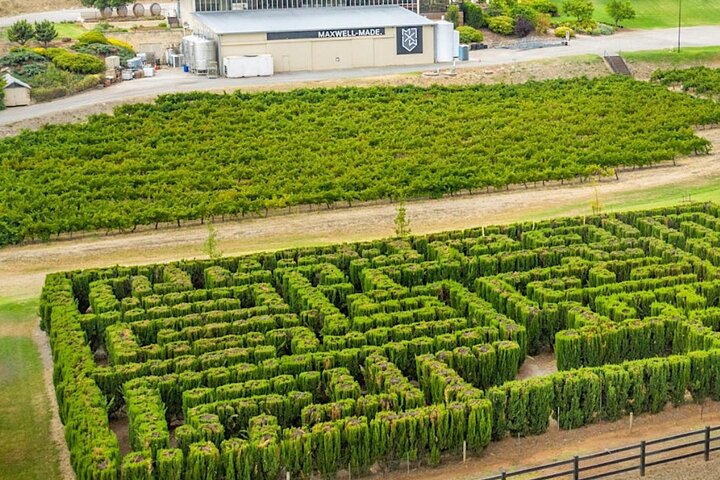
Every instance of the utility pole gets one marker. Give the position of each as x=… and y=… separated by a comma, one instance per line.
x=679, y=22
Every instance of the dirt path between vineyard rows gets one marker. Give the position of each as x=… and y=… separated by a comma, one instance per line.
x=23, y=268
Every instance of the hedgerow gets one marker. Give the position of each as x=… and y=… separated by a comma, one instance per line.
x=268, y=368
x=198, y=155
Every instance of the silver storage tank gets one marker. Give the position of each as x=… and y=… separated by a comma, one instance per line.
x=205, y=52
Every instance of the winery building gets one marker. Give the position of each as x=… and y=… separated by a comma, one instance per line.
x=305, y=35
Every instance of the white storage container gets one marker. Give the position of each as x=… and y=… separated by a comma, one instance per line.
x=149, y=71
x=248, y=66
x=111, y=62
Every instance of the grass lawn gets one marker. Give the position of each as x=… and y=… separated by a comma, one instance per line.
x=687, y=55
x=70, y=30
x=663, y=13
x=26, y=451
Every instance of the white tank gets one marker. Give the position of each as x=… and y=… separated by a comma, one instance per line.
x=444, y=42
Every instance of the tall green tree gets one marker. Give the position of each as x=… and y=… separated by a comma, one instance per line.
x=45, y=32
x=582, y=10
x=453, y=15
x=620, y=10
x=20, y=32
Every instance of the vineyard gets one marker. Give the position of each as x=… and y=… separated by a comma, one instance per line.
x=198, y=156
x=700, y=80
x=377, y=354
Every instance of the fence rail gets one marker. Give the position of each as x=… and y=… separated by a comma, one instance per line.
x=641, y=456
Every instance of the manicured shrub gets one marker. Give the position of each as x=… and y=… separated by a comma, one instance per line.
x=203, y=462
x=502, y=24
x=78, y=62
x=562, y=32
x=93, y=36
x=470, y=35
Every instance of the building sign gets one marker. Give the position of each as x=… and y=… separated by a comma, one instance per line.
x=409, y=40
x=339, y=33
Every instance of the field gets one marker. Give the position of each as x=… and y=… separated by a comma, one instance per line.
x=198, y=156
x=305, y=360
x=663, y=13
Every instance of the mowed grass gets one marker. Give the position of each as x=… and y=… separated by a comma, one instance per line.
x=26, y=449
x=64, y=30
x=662, y=13
x=689, y=55
x=70, y=30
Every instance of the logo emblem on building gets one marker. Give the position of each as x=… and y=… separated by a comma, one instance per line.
x=410, y=39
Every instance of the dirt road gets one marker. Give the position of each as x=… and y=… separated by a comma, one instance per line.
x=23, y=268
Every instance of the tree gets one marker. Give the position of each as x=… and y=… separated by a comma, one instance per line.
x=45, y=32
x=523, y=26
x=582, y=10
x=211, y=244
x=20, y=32
x=453, y=15
x=402, y=223
x=620, y=10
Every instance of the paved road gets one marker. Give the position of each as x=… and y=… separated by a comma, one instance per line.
x=172, y=81
x=69, y=15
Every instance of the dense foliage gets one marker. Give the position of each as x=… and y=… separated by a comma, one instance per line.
x=315, y=360
x=702, y=80
x=20, y=32
x=470, y=35
x=200, y=155
x=45, y=32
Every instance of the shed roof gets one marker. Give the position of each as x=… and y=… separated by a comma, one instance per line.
x=310, y=19
x=11, y=81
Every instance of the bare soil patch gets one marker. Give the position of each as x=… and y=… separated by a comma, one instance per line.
x=16, y=7
x=539, y=365
x=120, y=425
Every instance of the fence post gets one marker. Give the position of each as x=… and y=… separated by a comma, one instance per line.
x=642, y=458
x=707, y=443
x=503, y=474
x=576, y=468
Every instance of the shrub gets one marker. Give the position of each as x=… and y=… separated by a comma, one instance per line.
x=20, y=32
x=523, y=26
x=503, y=25
x=470, y=35
x=544, y=6
x=93, y=36
x=473, y=15
x=605, y=29
x=162, y=25
x=20, y=56
x=561, y=32
x=542, y=22
x=78, y=62
x=453, y=15
x=121, y=44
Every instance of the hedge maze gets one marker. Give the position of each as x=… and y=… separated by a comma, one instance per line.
x=319, y=360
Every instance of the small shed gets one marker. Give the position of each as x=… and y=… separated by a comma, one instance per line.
x=17, y=92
